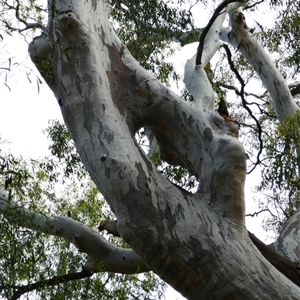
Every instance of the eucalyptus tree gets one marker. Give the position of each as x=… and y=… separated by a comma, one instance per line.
x=196, y=242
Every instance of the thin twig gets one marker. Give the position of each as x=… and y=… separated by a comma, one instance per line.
x=237, y=92
x=254, y=4
x=245, y=104
x=255, y=214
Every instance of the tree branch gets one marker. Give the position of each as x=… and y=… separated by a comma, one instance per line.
x=294, y=89
x=288, y=242
x=240, y=37
x=286, y=267
x=238, y=92
x=110, y=257
x=208, y=29
x=27, y=25
x=110, y=226
x=253, y=5
x=50, y=282
x=195, y=77
x=258, y=212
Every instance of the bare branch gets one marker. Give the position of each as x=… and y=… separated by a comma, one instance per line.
x=236, y=90
x=240, y=37
x=254, y=4
x=285, y=266
x=21, y=20
x=294, y=89
x=50, y=282
x=245, y=105
x=258, y=212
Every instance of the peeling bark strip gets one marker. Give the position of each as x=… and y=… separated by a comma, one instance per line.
x=196, y=242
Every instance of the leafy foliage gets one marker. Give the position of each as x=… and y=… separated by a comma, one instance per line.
x=280, y=177
x=147, y=29
x=20, y=15
x=283, y=39
x=29, y=258
x=64, y=153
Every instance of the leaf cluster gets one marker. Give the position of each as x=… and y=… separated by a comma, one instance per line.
x=280, y=176
x=282, y=39
x=148, y=28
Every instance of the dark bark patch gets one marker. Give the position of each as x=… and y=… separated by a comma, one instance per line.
x=94, y=4
x=108, y=136
x=188, y=120
x=123, y=87
x=208, y=134
x=107, y=173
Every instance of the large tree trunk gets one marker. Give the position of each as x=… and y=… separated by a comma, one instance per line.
x=196, y=242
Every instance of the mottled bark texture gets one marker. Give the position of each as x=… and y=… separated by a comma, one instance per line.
x=196, y=242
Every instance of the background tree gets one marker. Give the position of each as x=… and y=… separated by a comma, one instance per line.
x=196, y=242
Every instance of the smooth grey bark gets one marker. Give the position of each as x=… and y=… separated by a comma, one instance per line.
x=196, y=242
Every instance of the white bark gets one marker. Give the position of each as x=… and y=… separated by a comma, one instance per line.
x=288, y=242
x=195, y=77
x=240, y=37
x=104, y=255
x=197, y=243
